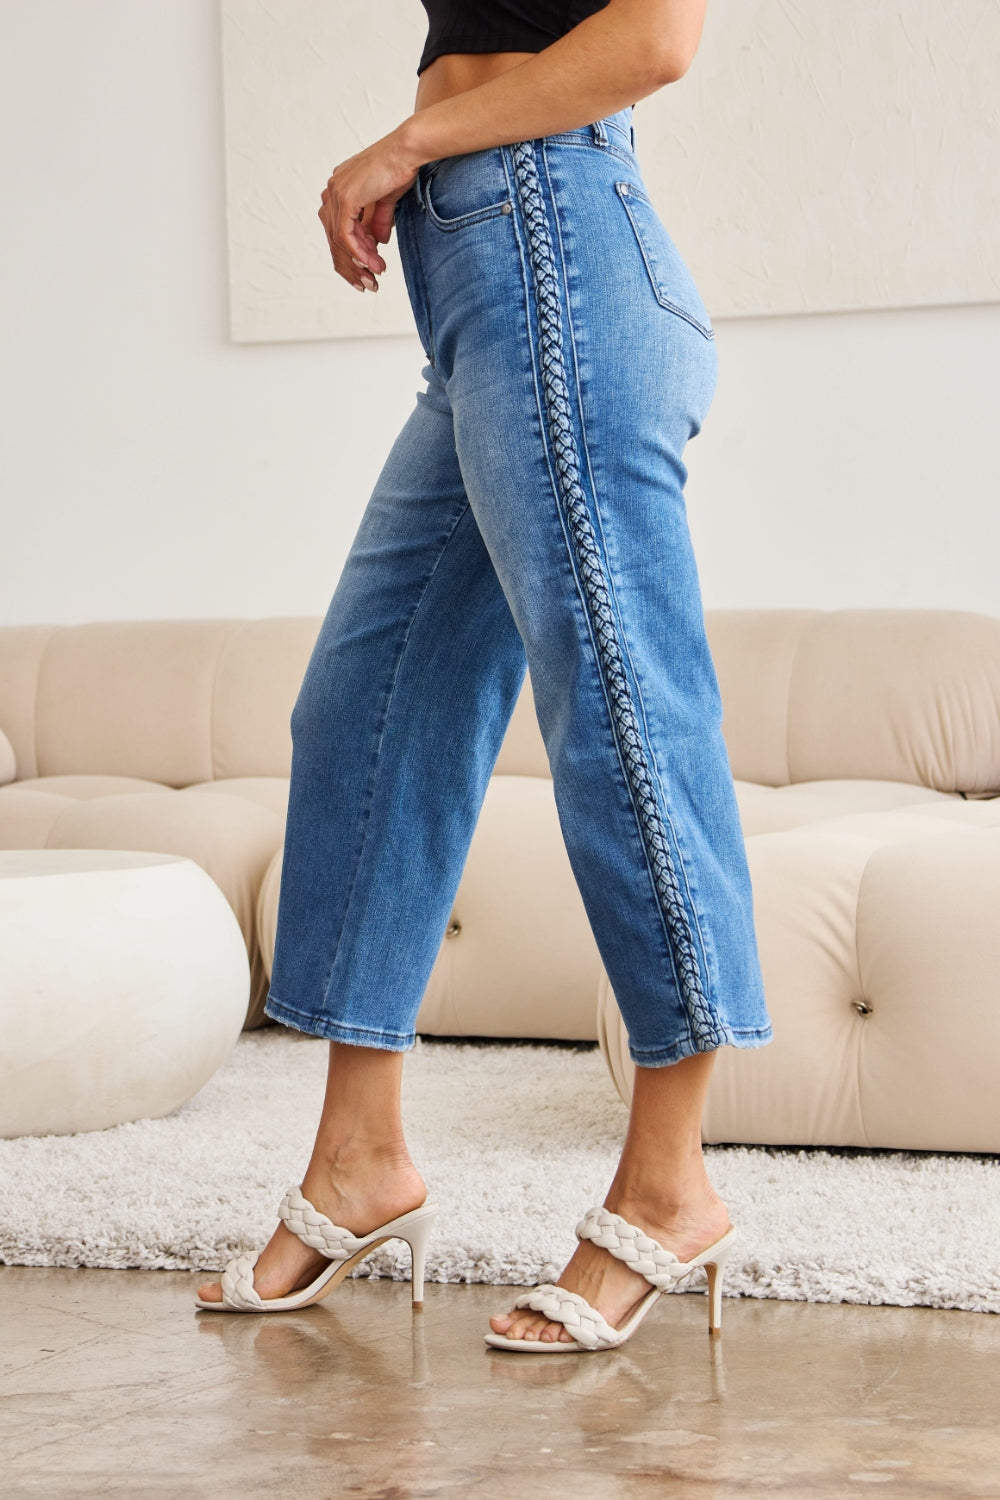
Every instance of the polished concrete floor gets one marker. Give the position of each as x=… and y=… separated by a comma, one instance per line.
x=111, y=1383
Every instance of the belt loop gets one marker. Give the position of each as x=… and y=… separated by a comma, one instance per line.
x=600, y=133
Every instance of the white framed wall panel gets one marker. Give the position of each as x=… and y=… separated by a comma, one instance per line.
x=308, y=83
x=815, y=158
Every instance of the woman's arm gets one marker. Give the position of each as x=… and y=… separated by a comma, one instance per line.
x=614, y=58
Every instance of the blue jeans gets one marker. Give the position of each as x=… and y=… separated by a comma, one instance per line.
x=531, y=511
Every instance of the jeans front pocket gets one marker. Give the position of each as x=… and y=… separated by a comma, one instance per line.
x=462, y=190
x=669, y=276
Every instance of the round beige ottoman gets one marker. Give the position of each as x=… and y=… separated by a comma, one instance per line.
x=879, y=937
x=124, y=983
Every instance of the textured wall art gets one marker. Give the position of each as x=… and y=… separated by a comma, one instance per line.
x=815, y=157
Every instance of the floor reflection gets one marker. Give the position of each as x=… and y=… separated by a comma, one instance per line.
x=361, y=1397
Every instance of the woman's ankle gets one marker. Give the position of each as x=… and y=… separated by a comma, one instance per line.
x=361, y=1202
x=350, y=1152
x=691, y=1197
x=356, y=1171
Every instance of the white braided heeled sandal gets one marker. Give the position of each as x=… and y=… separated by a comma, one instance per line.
x=660, y=1267
x=343, y=1248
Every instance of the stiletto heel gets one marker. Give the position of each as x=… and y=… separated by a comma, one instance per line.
x=417, y=1238
x=715, y=1269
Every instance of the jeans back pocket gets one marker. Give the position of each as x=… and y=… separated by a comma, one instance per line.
x=669, y=276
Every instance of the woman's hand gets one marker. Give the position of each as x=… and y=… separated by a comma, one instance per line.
x=359, y=202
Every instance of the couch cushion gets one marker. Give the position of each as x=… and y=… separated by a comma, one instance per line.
x=170, y=701
x=85, y=787
x=523, y=750
x=754, y=652
x=873, y=911
x=519, y=958
x=975, y=814
x=130, y=698
x=267, y=791
x=520, y=946
x=880, y=949
x=22, y=648
x=767, y=809
x=27, y=816
x=909, y=695
x=267, y=910
x=915, y=822
x=886, y=696
x=257, y=680
x=890, y=695
x=8, y=760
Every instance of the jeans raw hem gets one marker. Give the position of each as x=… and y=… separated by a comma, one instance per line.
x=662, y=1057
x=335, y=1031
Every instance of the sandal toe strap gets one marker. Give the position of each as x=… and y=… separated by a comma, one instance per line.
x=583, y=1322
x=625, y=1242
x=237, y=1285
x=315, y=1229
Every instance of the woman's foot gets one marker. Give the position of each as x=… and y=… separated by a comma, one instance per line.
x=606, y=1282
x=358, y=1188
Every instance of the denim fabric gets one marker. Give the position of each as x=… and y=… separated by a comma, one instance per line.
x=531, y=510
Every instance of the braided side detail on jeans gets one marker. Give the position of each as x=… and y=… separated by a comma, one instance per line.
x=556, y=393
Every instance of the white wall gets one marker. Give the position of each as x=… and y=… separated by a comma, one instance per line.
x=151, y=469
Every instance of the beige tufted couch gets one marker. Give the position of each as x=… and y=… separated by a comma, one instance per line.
x=870, y=744
x=853, y=735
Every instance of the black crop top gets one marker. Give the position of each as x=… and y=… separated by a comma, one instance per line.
x=499, y=25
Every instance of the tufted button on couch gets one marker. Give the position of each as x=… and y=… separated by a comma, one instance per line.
x=851, y=733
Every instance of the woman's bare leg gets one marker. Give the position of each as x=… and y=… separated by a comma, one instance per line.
x=360, y=1173
x=661, y=1186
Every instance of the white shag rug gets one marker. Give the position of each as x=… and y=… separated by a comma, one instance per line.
x=515, y=1142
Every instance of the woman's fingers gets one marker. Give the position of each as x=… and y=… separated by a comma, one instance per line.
x=352, y=267
x=361, y=250
x=379, y=220
x=359, y=203
x=353, y=229
x=357, y=209
x=357, y=238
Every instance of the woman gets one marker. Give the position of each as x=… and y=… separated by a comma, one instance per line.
x=531, y=511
